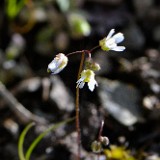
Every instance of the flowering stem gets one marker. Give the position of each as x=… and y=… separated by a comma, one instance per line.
x=85, y=51
x=96, y=47
x=74, y=53
x=99, y=135
x=101, y=129
x=77, y=108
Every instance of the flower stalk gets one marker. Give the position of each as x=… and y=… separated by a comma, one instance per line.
x=78, y=109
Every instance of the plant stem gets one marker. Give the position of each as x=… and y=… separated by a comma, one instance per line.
x=76, y=52
x=77, y=109
x=101, y=129
x=96, y=47
x=99, y=135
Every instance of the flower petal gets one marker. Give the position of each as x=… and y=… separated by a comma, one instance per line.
x=91, y=85
x=81, y=85
x=80, y=82
x=57, y=71
x=112, y=31
x=119, y=48
x=53, y=66
x=118, y=37
x=111, y=43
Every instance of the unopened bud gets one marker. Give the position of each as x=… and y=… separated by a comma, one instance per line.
x=96, y=67
x=104, y=140
x=96, y=147
x=89, y=64
x=58, y=64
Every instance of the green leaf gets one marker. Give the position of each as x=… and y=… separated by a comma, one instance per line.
x=79, y=25
x=39, y=138
x=21, y=141
x=13, y=7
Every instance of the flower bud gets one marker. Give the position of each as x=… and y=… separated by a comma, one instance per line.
x=96, y=67
x=58, y=64
x=104, y=140
x=96, y=147
x=89, y=64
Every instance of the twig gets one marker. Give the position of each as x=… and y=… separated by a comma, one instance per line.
x=20, y=111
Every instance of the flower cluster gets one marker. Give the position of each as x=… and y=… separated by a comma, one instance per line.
x=88, y=73
x=97, y=145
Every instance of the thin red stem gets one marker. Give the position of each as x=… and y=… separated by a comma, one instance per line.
x=101, y=129
x=85, y=51
x=78, y=109
x=96, y=47
x=76, y=52
x=99, y=135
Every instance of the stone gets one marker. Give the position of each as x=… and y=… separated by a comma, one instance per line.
x=120, y=100
x=142, y=7
x=60, y=95
x=134, y=38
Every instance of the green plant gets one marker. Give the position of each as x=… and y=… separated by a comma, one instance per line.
x=13, y=7
x=27, y=154
x=87, y=69
x=86, y=74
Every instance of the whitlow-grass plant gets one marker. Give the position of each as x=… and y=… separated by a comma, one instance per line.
x=86, y=74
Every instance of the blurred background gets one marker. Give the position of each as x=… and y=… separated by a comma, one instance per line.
x=32, y=32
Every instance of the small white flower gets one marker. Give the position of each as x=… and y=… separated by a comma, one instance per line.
x=110, y=42
x=58, y=63
x=87, y=76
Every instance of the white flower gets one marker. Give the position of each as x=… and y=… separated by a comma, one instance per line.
x=87, y=76
x=110, y=42
x=58, y=63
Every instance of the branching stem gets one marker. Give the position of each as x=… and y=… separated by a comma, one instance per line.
x=78, y=129
x=84, y=51
x=94, y=48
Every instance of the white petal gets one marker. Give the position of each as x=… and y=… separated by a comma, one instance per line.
x=52, y=66
x=118, y=37
x=57, y=71
x=112, y=31
x=119, y=48
x=80, y=82
x=111, y=43
x=81, y=85
x=91, y=85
